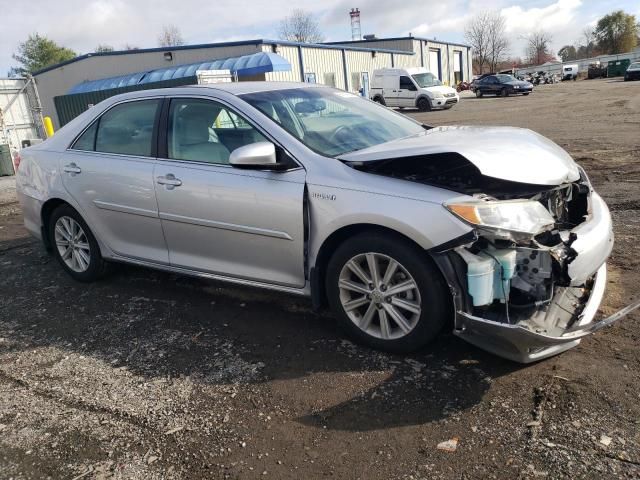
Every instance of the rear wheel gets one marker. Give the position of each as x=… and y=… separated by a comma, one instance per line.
x=386, y=293
x=74, y=245
x=504, y=92
x=380, y=100
x=424, y=105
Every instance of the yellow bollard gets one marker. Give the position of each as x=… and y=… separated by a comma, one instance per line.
x=48, y=126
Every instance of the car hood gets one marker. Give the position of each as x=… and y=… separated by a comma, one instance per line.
x=508, y=153
x=443, y=89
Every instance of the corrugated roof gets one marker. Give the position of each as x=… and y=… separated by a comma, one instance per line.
x=245, y=65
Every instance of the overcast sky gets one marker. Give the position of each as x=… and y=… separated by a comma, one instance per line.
x=84, y=24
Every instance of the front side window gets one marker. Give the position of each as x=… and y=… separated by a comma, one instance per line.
x=127, y=128
x=426, y=80
x=332, y=122
x=406, y=83
x=207, y=131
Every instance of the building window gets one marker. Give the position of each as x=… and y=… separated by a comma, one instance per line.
x=310, y=77
x=330, y=79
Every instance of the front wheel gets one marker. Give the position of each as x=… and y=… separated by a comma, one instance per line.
x=74, y=245
x=526, y=93
x=386, y=292
x=478, y=93
x=424, y=105
x=504, y=92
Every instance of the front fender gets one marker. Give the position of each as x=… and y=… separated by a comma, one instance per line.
x=426, y=223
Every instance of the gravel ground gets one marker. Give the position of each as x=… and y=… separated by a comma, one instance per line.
x=149, y=375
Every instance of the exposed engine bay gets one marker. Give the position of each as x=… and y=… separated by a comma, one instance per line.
x=509, y=277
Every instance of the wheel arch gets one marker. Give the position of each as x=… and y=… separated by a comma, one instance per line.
x=46, y=211
x=331, y=243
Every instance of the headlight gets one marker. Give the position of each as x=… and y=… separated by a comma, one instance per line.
x=439, y=95
x=516, y=86
x=517, y=216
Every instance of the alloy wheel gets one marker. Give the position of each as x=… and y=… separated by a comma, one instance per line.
x=379, y=296
x=72, y=244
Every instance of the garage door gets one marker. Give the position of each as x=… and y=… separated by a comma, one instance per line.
x=434, y=63
x=457, y=66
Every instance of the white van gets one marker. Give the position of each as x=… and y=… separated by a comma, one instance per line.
x=411, y=87
x=570, y=72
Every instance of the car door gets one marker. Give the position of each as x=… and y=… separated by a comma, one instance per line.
x=223, y=220
x=109, y=173
x=391, y=88
x=407, y=92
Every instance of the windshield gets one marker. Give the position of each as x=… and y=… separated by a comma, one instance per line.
x=505, y=78
x=332, y=122
x=635, y=65
x=426, y=80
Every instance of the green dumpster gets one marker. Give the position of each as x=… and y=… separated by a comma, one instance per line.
x=616, y=68
x=6, y=164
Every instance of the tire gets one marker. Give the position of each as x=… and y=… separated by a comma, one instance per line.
x=430, y=294
x=526, y=93
x=85, y=263
x=424, y=105
x=478, y=93
x=379, y=100
x=504, y=92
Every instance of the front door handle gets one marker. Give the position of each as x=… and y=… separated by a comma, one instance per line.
x=170, y=181
x=72, y=168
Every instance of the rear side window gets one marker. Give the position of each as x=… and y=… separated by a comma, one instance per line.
x=87, y=140
x=126, y=129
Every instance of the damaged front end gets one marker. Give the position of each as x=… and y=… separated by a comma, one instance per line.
x=528, y=283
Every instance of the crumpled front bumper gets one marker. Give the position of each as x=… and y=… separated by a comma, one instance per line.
x=526, y=340
x=522, y=344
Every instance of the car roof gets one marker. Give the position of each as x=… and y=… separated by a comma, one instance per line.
x=239, y=88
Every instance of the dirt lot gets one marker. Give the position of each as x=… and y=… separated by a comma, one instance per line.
x=150, y=375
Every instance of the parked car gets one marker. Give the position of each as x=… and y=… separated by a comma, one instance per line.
x=403, y=229
x=570, y=72
x=503, y=85
x=633, y=72
x=411, y=87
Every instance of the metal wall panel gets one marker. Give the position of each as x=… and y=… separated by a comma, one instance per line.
x=321, y=61
x=16, y=123
x=358, y=62
x=58, y=81
x=69, y=107
x=291, y=54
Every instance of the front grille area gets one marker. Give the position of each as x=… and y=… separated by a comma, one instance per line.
x=448, y=95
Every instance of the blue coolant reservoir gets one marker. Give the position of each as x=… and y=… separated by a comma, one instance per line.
x=505, y=260
x=480, y=276
x=489, y=274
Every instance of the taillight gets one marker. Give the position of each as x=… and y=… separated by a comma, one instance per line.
x=16, y=160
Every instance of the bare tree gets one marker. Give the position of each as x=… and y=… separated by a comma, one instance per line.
x=498, y=43
x=300, y=26
x=589, y=37
x=170, y=37
x=539, y=47
x=485, y=32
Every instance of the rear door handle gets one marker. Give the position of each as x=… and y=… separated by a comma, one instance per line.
x=169, y=180
x=72, y=168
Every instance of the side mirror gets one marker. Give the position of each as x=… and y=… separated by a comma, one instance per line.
x=254, y=155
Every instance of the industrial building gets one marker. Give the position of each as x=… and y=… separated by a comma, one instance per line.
x=69, y=88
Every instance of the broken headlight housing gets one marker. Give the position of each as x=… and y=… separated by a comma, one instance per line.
x=504, y=217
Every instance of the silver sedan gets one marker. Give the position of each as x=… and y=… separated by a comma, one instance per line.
x=402, y=229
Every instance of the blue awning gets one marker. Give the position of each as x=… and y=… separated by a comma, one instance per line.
x=254, y=64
